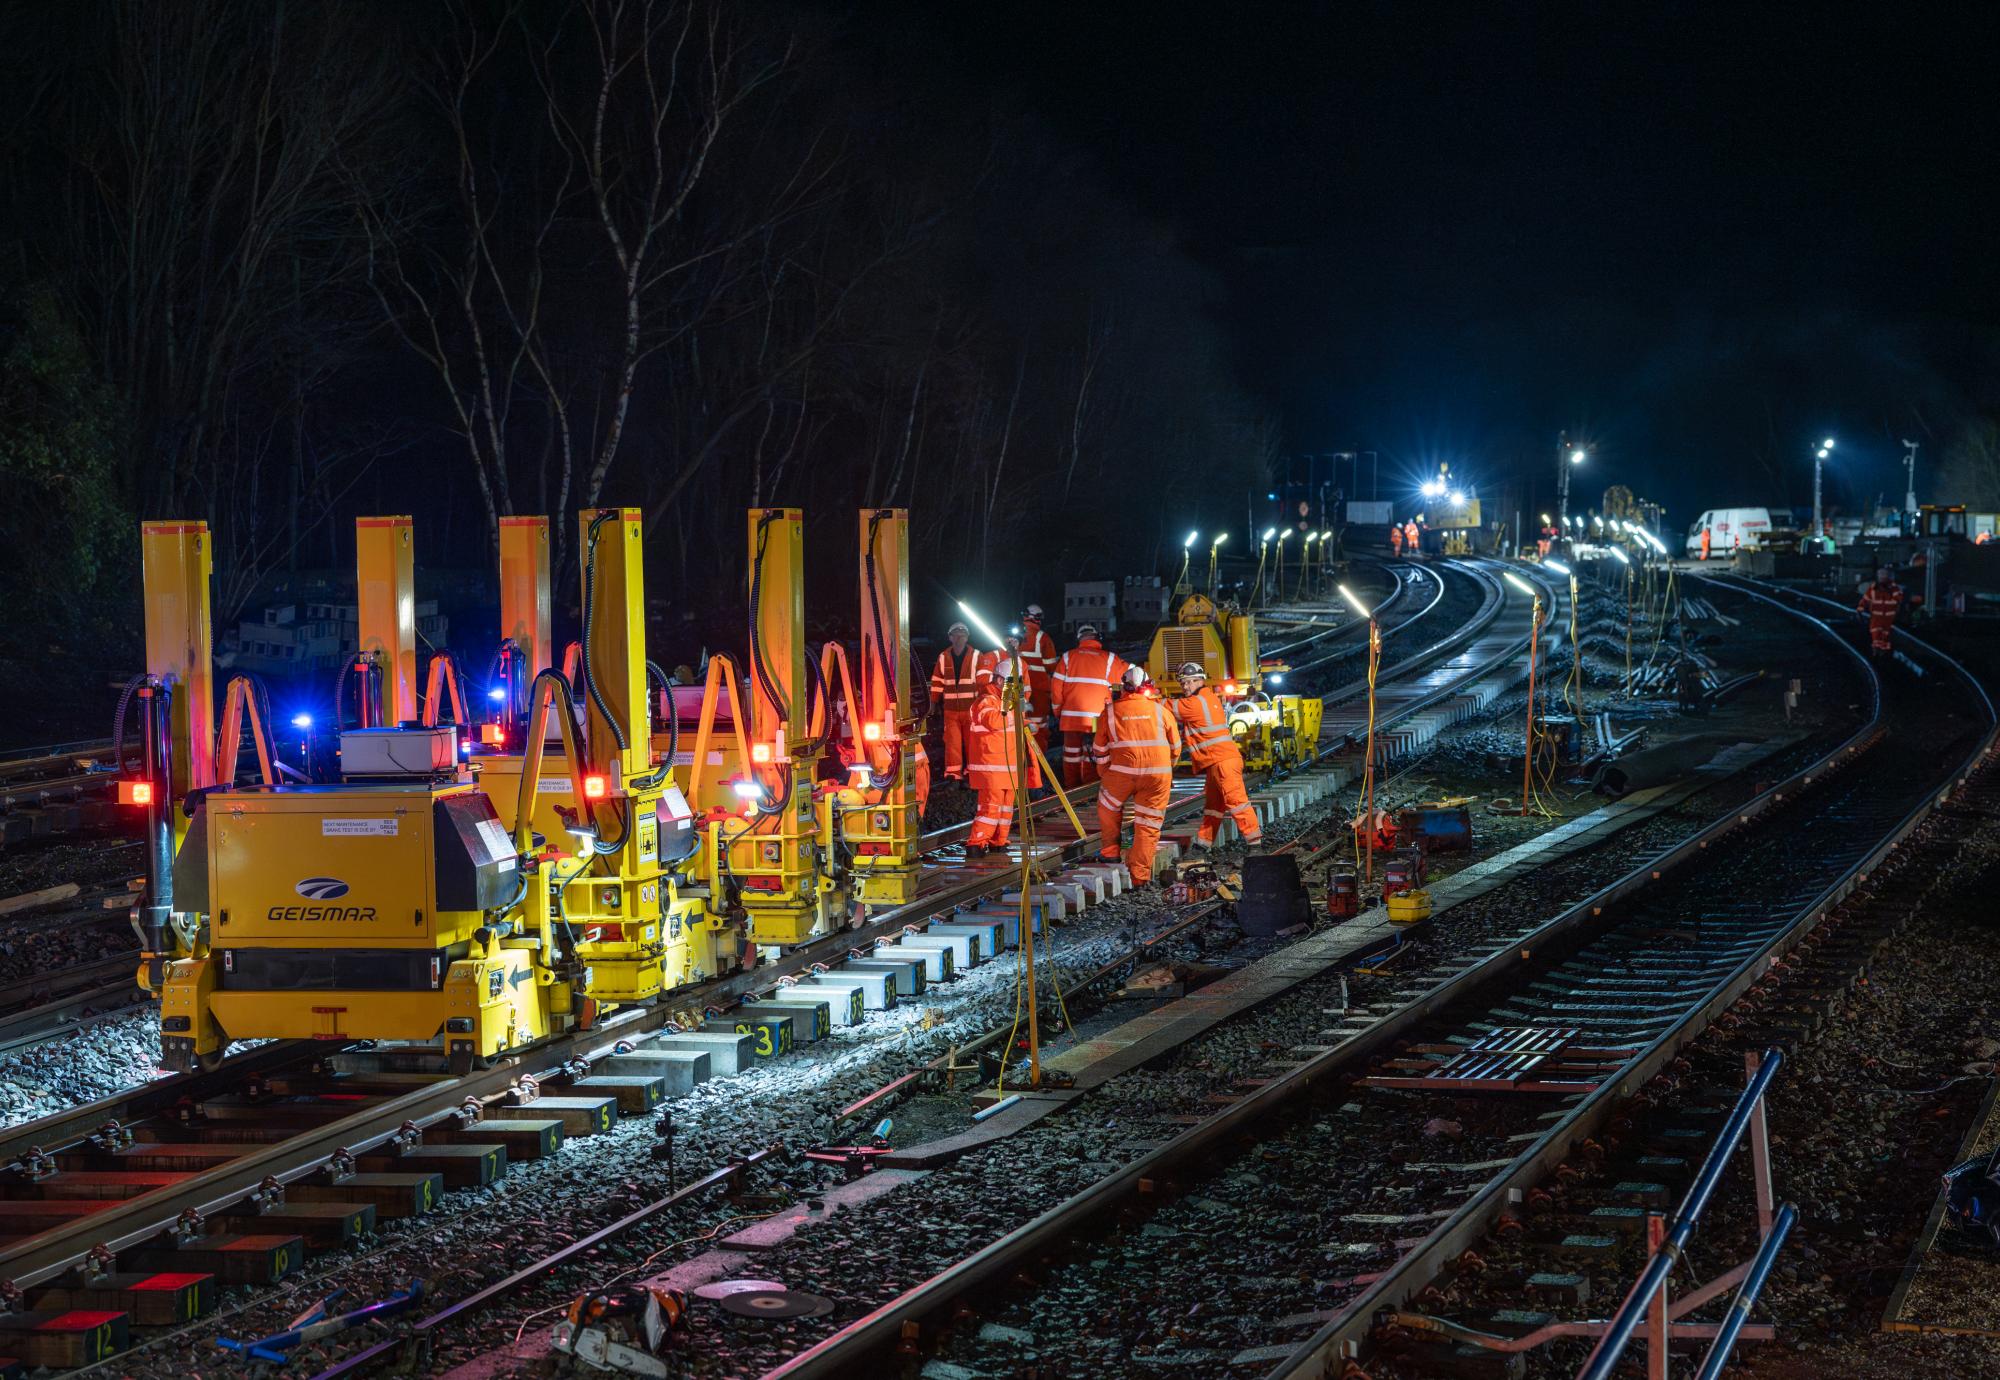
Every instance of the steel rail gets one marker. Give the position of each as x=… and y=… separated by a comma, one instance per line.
x=1343, y=1336
x=1055, y=1227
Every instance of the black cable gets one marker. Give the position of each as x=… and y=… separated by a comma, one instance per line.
x=118, y=723
x=589, y=612
x=673, y=718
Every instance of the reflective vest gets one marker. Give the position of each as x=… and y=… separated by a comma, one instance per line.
x=1881, y=602
x=1082, y=683
x=1137, y=737
x=955, y=679
x=1205, y=723
x=1038, y=658
x=994, y=747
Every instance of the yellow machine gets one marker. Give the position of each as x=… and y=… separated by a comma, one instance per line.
x=1275, y=732
x=478, y=896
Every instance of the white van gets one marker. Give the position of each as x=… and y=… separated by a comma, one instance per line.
x=1729, y=530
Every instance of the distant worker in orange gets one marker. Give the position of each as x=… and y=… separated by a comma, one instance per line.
x=1706, y=540
x=920, y=775
x=1412, y=538
x=997, y=764
x=1880, y=603
x=1080, y=688
x=1135, y=746
x=1204, y=725
x=1038, y=664
x=954, y=687
x=1395, y=540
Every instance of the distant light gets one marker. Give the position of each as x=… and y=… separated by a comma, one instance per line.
x=1192, y=538
x=1355, y=600
x=1823, y=454
x=1218, y=541
x=1230, y=688
x=1311, y=537
x=302, y=721
x=750, y=790
x=1596, y=519
x=465, y=747
x=1519, y=583
x=1545, y=519
x=1327, y=535
x=1576, y=457
x=497, y=694
x=1827, y=443
x=1014, y=630
x=1457, y=498
x=1270, y=532
x=1277, y=680
x=1282, y=535
x=1619, y=554
x=1272, y=497
x=594, y=787
x=1557, y=566
x=1655, y=542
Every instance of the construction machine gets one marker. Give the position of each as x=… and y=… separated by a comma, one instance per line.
x=1274, y=731
x=584, y=849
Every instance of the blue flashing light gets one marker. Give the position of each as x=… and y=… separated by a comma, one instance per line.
x=497, y=694
x=1272, y=497
x=302, y=721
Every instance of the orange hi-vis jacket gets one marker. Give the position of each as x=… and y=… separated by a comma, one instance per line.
x=1137, y=737
x=1082, y=683
x=1038, y=661
x=995, y=765
x=1204, y=726
x=955, y=679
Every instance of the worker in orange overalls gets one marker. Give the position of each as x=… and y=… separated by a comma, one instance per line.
x=1881, y=602
x=1395, y=540
x=1705, y=540
x=954, y=686
x=1038, y=664
x=997, y=765
x=1412, y=538
x=1135, y=746
x=1204, y=725
x=1080, y=687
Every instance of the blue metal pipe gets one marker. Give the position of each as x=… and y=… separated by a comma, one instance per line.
x=1654, y=1278
x=1746, y=1295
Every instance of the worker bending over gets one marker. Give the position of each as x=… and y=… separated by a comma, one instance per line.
x=1135, y=746
x=1038, y=664
x=954, y=687
x=1881, y=602
x=1081, y=687
x=1204, y=725
x=997, y=753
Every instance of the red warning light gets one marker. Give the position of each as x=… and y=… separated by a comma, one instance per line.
x=594, y=787
x=135, y=793
x=493, y=735
x=760, y=752
x=872, y=731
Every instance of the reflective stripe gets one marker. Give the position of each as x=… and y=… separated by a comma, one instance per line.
x=1139, y=742
x=1082, y=680
x=1140, y=771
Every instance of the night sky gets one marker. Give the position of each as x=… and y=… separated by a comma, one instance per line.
x=1700, y=237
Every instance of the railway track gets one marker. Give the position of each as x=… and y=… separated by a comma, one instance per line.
x=1200, y=1253
x=236, y=1175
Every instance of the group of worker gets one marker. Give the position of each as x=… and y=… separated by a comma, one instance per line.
x=1115, y=730
x=1409, y=536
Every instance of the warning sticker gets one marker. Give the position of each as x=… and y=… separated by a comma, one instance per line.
x=499, y=845
x=553, y=785
x=333, y=828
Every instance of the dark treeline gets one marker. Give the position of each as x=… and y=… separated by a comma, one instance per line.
x=278, y=262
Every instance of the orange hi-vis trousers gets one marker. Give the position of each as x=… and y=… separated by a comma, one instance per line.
x=957, y=738
x=1226, y=798
x=1147, y=798
x=1079, y=766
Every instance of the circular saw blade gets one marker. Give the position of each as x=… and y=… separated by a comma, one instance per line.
x=777, y=1304
x=721, y=1289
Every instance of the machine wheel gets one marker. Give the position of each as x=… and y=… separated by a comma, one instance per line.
x=210, y=1061
x=460, y=1062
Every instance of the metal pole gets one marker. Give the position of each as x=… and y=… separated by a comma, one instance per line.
x=1618, y=1333
x=1528, y=744
x=1562, y=481
x=1746, y=1295
x=1368, y=763
x=1817, y=462
x=156, y=714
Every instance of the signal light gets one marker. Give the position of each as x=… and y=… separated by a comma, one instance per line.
x=871, y=732
x=760, y=752
x=1230, y=688
x=594, y=787
x=135, y=793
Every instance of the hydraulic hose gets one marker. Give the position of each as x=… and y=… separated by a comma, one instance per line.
x=118, y=722
x=589, y=613
x=655, y=675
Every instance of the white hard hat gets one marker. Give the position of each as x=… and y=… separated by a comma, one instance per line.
x=1005, y=669
x=1135, y=677
x=1192, y=670
x=958, y=628
x=1034, y=611
x=1086, y=630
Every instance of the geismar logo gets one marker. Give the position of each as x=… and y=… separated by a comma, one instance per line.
x=321, y=888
